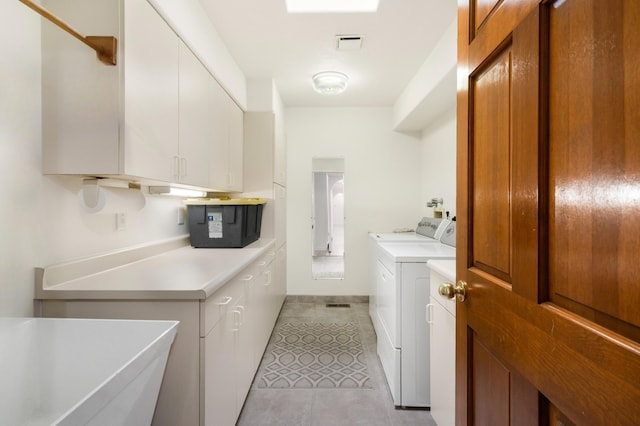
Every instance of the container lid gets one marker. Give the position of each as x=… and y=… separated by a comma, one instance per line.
x=224, y=201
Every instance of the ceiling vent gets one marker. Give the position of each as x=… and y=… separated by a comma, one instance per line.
x=348, y=42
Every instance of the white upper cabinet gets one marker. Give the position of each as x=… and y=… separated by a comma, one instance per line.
x=151, y=94
x=81, y=97
x=193, y=154
x=280, y=152
x=236, y=146
x=147, y=119
x=258, y=140
x=227, y=141
x=262, y=159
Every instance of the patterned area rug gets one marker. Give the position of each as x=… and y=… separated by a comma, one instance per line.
x=314, y=355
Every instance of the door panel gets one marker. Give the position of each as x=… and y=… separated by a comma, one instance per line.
x=490, y=387
x=548, y=208
x=491, y=93
x=482, y=9
x=594, y=168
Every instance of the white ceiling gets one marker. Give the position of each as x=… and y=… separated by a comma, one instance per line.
x=267, y=42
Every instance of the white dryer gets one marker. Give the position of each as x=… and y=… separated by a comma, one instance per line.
x=402, y=291
x=428, y=230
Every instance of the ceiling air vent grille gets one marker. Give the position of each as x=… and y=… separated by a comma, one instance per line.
x=349, y=42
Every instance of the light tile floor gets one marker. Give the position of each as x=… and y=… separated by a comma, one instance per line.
x=327, y=267
x=335, y=407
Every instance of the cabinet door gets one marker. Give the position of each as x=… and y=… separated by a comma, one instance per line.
x=243, y=336
x=151, y=63
x=218, y=398
x=194, y=120
x=263, y=305
x=236, y=145
x=252, y=317
x=280, y=153
x=442, y=363
x=280, y=213
x=258, y=151
x=280, y=279
x=219, y=136
x=80, y=119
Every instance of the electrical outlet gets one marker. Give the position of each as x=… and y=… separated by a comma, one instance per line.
x=121, y=221
x=182, y=212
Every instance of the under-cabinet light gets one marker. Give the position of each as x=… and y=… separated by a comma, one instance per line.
x=178, y=192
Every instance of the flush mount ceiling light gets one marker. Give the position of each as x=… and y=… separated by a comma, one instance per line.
x=331, y=6
x=330, y=82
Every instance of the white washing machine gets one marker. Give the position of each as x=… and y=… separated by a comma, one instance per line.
x=402, y=291
x=429, y=230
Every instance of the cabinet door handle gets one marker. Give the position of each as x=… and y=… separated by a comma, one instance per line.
x=183, y=167
x=247, y=277
x=430, y=313
x=225, y=300
x=240, y=309
x=236, y=320
x=176, y=167
x=268, y=280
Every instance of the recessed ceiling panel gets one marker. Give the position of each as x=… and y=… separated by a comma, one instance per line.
x=331, y=6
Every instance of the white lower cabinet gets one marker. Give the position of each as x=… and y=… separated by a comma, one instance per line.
x=442, y=327
x=219, y=399
x=280, y=279
x=217, y=349
x=246, y=322
x=238, y=319
x=264, y=300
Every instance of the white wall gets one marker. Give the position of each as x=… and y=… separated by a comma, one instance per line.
x=433, y=88
x=381, y=187
x=438, y=163
x=40, y=219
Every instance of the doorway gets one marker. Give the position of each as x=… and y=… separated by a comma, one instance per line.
x=327, y=221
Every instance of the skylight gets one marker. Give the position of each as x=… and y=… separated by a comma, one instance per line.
x=331, y=6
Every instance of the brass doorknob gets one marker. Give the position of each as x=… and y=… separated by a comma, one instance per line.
x=450, y=291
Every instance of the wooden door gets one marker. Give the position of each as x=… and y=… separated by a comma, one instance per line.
x=548, y=212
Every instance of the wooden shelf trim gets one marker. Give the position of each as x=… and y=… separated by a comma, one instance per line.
x=106, y=47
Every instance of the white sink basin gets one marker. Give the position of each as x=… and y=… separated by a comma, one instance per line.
x=81, y=371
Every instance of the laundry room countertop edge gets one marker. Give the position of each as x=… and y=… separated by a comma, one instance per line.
x=175, y=274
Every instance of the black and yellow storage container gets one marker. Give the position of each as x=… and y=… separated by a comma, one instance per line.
x=224, y=222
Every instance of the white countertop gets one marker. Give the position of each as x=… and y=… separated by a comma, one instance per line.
x=179, y=273
x=446, y=268
x=418, y=252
